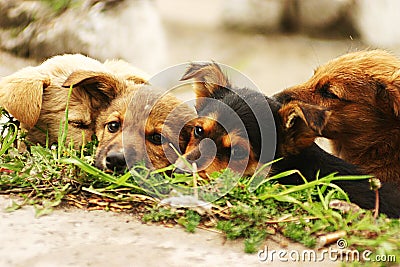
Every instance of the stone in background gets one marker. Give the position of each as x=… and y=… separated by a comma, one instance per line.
x=127, y=29
x=316, y=17
x=374, y=22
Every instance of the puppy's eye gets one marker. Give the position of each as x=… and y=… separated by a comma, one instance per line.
x=157, y=139
x=198, y=131
x=79, y=124
x=238, y=153
x=113, y=126
x=326, y=93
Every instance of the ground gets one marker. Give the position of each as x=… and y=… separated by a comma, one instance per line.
x=72, y=237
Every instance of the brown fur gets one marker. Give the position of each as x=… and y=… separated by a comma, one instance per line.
x=142, y=115
x=362, y=91
x=37, y=96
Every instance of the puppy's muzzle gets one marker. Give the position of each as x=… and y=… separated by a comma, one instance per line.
x=203, y=155
x=116, y=161
x=183, y=164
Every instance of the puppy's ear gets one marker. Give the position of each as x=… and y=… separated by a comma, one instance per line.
x=97, y=84
x=301, y=124
x=390, y=94
x=21, y=94
x=314, y=117
x=137, y=79
x=209, y=79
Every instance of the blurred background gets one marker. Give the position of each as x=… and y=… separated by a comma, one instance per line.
x=276, y=43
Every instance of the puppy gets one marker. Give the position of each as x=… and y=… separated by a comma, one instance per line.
x=141, y=125
x=296, y=125
x=37, y=96
x=362, y=92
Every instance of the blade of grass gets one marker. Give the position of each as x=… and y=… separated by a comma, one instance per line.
x=188, y=165
x=325, y=180
x=122, y=181
x=277, y=176
x=9, y=139
x=143, y=180
x=286, y=198
x=63, y=130
x=258, y=172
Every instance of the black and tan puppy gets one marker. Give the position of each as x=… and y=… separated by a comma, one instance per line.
x=296, y=126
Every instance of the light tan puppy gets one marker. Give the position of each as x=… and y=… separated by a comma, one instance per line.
x=37, y=96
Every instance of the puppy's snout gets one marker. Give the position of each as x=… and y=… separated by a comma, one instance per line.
x=203, y=155
x=116, y=161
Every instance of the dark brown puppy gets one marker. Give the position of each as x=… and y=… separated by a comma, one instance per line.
x=362, y=92
x=296, y=125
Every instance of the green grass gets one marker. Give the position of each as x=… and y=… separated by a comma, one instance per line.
x=58, y=6
x=253, y=209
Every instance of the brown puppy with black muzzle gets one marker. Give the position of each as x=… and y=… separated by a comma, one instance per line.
x=37, y=96
x=362, y=92
x=141, y=126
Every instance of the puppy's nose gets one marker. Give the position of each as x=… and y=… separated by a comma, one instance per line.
x=116, y=161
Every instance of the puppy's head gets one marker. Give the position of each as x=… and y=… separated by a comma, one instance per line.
x=91, y=93
x=227, y=133
x=37, y=96
x=360, y=88
x=141, y=126
x=214, y=148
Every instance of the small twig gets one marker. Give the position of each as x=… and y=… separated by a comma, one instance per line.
x=375, y=185
x=376, y=213
x=292, y=219
x=330, y=238
x=210, y=229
